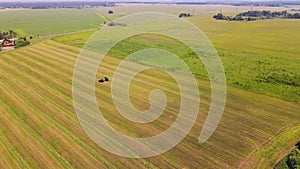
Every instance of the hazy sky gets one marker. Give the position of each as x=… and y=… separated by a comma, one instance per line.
x=143, y=0
x=129, y=0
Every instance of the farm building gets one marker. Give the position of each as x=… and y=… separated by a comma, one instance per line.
x=7, y=42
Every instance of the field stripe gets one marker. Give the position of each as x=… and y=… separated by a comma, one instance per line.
x=32, y=132
x=12, y=154
x=53, y=122
x=10, y=157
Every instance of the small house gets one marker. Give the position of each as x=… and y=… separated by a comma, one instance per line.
x=7, y=42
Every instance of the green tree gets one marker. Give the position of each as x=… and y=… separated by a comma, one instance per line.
x=294, y=159
x=21, y=43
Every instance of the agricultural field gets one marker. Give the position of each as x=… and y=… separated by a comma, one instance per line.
x=36, y=100
x=39, y=127
x=259, y=56
x=269, y=37
x=51, y=21
x=263, y=71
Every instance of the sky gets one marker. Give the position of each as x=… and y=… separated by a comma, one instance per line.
x=128, y=0
x=143, y=0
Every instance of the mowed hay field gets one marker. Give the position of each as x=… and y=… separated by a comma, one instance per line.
x=39, y=127
x=50, y=21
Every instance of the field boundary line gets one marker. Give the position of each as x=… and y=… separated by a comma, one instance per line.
x=245, y=161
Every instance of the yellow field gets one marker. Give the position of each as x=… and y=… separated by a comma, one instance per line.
x=39, y=127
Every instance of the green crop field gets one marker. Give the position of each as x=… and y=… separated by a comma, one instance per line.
x=261, y=123
x=50, y=21
x=260, y=56
x=270, y=37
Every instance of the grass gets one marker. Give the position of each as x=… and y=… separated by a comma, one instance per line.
x=78, y=39
x=50, y=21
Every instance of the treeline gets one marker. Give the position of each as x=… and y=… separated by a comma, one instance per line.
x=295, y=9
x=258, y=15
x=7, y=34
x=22, y=42
x=272, y=3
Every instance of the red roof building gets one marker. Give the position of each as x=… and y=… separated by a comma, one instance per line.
x=7, y=42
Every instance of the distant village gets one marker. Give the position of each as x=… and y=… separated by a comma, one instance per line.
x=9, y=41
